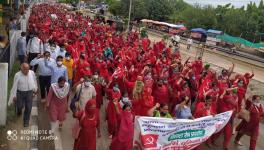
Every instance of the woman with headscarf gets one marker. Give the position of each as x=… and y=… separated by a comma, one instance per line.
x=204, y=109
x=161, y=92
x=228, y=101
x=80, y=68
x=147, y=102
x=114, y=95
x=213, y=92
x=99, y=84
x=57, y=102
x=89, y=121
x=124, y=138
x=241, y=92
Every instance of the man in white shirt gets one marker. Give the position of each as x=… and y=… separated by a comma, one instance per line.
x=54, y=49
x=189, y=43
x=22, y=47
x=51, y=47
x=61, y=51
x=22, y=92
x=176, y=39
x=34, y=47
x=88, y=91
x=44, y=73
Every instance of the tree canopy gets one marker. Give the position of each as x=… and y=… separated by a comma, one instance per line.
x=246, y=22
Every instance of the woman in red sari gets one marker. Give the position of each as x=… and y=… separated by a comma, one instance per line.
x=111, y=113
x=81, y=67
x=98, y=84
x=124, y=138
x=241, y=92
x=147, y=102
x=161, y=92
x=204, y=109
x=251, y=128
x=89, y=121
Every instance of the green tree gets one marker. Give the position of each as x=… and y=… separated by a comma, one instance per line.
x=139, y=9
x=115, y=8
x=159, y=9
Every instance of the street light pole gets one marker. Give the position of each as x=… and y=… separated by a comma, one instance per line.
x=129, y=15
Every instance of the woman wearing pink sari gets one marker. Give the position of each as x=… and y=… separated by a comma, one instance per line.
x=124, y=138
x=57, y=102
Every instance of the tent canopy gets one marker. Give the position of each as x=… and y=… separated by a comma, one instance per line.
x=178, y=26
x=199, y=30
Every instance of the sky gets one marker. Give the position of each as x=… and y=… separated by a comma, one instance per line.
x=236, y=3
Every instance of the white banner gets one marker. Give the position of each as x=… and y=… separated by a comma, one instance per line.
x=177, y=134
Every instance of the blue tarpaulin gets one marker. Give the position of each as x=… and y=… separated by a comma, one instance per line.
x=199, y=30
x=214, y=31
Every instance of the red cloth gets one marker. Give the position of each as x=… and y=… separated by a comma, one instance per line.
x=112, y=118
x=229, y=102
x=251, y=128
x=227, y=130
x=214, y=94
x=197, y=67
x=201, y=111
x=87, y=136
x=113, y=95
x=247, y=77
x=241, y=94
x=129, y=86
x=124, y=138
x=145, y=43
x=80, y=70
x=183, y=93
x=99, y=94
x=147, y=103
x=161, y=94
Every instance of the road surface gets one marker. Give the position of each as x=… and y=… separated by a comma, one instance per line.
x=219, y=59
x=103, y=142
x=65, y=140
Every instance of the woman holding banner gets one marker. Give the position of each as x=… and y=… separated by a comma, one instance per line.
x=160, y=110
x=183, y=110
x=124, y=138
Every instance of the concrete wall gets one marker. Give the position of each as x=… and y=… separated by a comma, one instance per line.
x=3, y=92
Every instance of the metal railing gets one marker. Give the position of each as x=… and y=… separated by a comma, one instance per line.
x=218, y=48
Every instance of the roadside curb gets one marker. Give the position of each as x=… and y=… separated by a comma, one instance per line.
x=34, y=124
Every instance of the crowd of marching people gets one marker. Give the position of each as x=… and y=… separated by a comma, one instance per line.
x=83, y=63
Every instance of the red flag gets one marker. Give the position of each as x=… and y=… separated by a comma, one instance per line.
x=149, y=140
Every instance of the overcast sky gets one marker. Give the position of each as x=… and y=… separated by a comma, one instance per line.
x=236, y=3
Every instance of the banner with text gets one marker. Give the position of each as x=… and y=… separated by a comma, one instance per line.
x=178, y=134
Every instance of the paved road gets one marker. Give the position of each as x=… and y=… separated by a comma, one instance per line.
x=103, y=142
x=66, y=141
